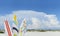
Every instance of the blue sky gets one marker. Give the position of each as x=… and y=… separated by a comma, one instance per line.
x=46, y=6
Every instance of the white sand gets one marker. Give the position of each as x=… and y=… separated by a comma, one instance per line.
x=39, y=34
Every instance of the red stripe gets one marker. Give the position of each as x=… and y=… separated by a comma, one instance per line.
x=8, y=28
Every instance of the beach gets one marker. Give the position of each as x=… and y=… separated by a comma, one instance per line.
x=38, y=34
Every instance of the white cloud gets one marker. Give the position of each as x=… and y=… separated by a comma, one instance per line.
x=38, y=18
x=51, y=20
x=35, y=24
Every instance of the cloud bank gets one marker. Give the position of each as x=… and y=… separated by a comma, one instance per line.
x=39, y=20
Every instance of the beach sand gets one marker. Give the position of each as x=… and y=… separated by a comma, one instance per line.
x=38, y=34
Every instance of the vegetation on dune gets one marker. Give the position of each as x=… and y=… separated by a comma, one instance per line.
x=2, y=31
x=38, y=30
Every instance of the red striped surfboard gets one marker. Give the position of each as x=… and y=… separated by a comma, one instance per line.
x=8, y=28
